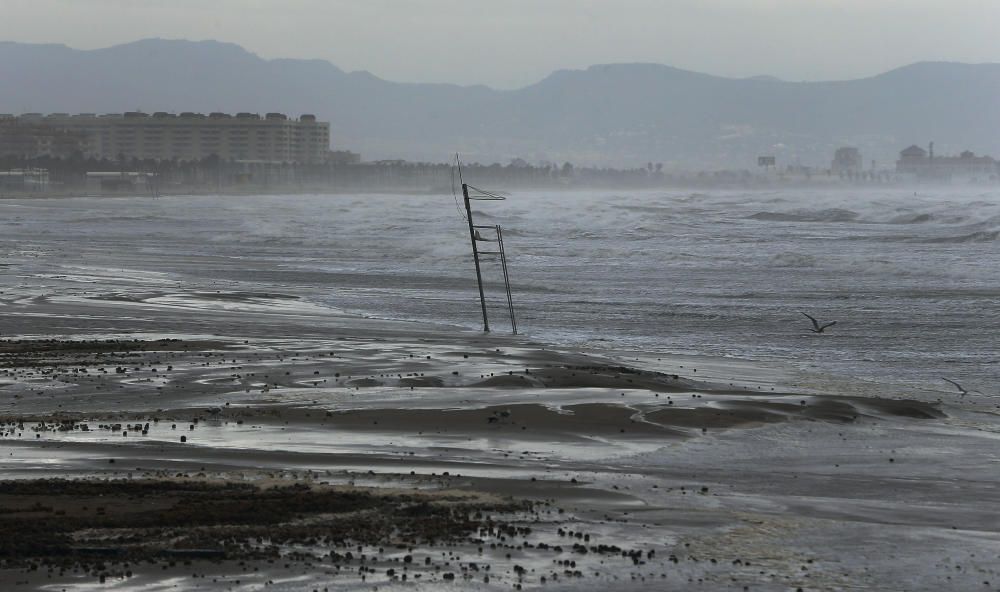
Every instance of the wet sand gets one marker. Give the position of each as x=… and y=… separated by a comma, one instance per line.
x=222, y=431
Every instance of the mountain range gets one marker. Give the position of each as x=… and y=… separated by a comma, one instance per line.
x=615, y=114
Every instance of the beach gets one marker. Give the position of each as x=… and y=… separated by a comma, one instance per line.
x=232, y=399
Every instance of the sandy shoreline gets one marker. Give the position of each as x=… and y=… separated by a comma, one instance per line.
x=737, y=475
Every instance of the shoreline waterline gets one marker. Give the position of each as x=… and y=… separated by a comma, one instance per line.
x=181, y=347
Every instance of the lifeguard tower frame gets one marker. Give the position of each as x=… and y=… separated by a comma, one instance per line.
x=470, y=194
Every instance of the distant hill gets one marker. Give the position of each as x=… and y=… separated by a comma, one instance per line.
x=622, y=114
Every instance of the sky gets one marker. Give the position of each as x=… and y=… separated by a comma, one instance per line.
x=513, y=43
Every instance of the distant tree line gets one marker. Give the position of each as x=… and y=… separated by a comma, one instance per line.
x=344, y=171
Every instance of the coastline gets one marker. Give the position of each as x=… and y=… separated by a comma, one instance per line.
x=756, y=184
x=735, y=464
x=225, y=319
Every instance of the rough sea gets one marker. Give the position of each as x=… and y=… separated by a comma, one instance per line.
x=912, y=276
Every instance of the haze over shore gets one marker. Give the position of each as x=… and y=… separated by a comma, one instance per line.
x=614, y=114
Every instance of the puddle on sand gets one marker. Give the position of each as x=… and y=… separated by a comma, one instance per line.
x=215, y=435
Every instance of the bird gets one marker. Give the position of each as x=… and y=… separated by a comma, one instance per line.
x=817, y=328
x=961, y=389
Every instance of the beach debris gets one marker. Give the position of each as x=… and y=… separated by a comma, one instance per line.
x=499, y=415
x=817, y=328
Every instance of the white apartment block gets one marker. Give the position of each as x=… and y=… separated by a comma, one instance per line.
x=193, y=136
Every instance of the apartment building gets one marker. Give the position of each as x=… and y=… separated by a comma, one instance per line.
x=26, y=140
x=188, y=136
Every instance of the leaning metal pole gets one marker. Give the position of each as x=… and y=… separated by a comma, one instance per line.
x=506, y=280
x=475, y=255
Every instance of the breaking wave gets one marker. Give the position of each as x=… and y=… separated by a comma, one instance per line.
x=789, y=259
x=981, y=236
x=828, y=215
x=912, y=219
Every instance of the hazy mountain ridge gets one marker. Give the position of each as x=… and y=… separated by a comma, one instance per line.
x=615, y=114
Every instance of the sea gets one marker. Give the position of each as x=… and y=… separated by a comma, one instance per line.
x=910, y=275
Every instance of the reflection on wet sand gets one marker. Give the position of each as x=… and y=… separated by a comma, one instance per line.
x=171, y=365
x=593, y=447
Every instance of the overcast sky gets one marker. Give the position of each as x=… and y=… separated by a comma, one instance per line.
x=511, y=43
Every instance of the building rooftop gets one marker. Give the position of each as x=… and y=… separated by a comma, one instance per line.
x=913, y=150
x=244, y=115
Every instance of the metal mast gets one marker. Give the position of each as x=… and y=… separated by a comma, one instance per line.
x=475, y=254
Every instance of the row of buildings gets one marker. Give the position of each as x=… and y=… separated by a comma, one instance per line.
x=264, y=145
x=188, y=136
x=918, y=164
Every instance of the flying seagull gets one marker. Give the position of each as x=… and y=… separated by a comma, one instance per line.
x=960, y=388
x=817, y=328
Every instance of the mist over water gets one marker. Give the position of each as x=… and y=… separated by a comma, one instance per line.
x=912, y=279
